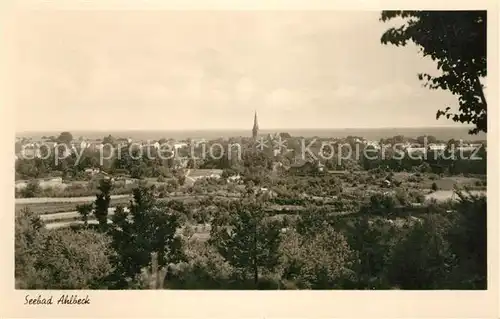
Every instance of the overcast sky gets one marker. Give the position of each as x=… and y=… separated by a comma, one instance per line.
x=118, y=70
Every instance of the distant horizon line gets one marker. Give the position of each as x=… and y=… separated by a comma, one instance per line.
x=245, y=129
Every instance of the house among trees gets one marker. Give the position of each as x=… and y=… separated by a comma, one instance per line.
x=92, y=171
x=97, y=176
x=306, y=168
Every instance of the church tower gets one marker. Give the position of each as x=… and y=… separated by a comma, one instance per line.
x=255, y=130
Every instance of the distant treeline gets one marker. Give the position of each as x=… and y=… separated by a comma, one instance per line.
x=139, y=165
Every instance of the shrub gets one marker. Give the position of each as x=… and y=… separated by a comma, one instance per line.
x=160, y=179
x=29, y=231
x=420, y=260
x=480, y=183
x=33, y=189
x=381, y=205
x=403, y=197
x=373, y=241
x=468, y=240
x=397, y=183
x=416, y=196
x=204, y=269
x=74, y=260
x=434, y=186
x=323, y=261
x=58, y=259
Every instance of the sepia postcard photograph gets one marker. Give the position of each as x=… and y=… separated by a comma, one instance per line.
x=209, y=156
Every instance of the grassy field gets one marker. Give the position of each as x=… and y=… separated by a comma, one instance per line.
x=60, y=212
x=78, y=200
x=443, y=195
x=425, y=181
x=65, y=206
x=195, y=173
x=449, y=183
x=60, y=205
x=200, y=231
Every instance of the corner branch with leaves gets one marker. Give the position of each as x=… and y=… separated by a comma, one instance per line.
x=457, y=41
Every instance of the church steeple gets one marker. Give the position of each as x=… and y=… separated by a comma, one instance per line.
x=255, y=130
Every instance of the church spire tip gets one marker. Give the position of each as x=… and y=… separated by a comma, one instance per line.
x=255, y=129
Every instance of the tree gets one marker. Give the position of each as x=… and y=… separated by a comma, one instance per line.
x=422, y=259
x=311, y=222
x=58, y=259
x=181, y=179
x=73, y=260
x=29, y=232
x=65, y=138
x=457, y=41
x=109, y=140
x=85, y=210
x=426, y=139
x=322, y=260
x=373, y=240
x=380, y=204
x=204, y=268
x=285, y=135
x=138, y=170
x=191, y=163
x=103, y=198
x=247, y=239
x=32, y=189
x=468, y=240
x=147, y=227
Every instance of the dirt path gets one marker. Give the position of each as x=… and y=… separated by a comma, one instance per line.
x=73, y=214
x=44, y=200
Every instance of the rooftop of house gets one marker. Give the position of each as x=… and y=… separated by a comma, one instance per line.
x=301, y=163
x=298, y=163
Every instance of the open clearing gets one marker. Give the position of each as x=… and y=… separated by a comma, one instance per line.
x=443, y=195
x=43, y=200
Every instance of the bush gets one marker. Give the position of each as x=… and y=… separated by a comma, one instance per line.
x=373, y=241
x=58, y=259
x=381, y=205
x=73, y=260
x=480, y=183
x=420, y=260
x=205, y=269
x=412, y=179
x=434, y=187
x=433, y=177
x=323, y=261
x=72, y=190
x=468, y=240
x=29, y=231
x=33, y=189
x=416, y=196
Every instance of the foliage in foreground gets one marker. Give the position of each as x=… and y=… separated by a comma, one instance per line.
x=60, y=259
x=457, y=41
x=443, y=248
